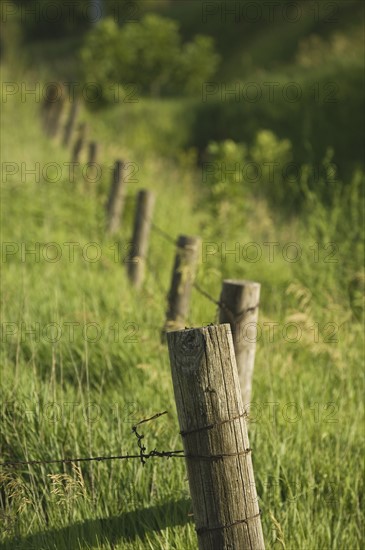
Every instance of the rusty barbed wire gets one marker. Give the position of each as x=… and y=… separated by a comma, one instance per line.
x=143, y=456
x=167, y=454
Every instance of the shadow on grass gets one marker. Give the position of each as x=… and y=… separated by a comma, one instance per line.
x=115, y=529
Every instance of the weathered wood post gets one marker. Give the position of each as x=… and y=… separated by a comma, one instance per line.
x=240, y=309
x=55, y=117
x=116, y=199
x=91, y=169
x=48, y=102
x=141, y=233
x=214, y=432
x=79, y=143
x=71, y=123
x=183, y=275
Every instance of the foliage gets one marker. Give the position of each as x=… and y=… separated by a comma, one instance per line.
x=222, y=174
x=326, y=74
x=148, y=54
x=155, y=46
x=199, y=62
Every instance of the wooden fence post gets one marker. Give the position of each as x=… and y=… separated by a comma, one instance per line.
x=71, y=123
x=55, y=117
x=91, y=169
x=116, y=199
x=47, y=107
x=214, y=432
x=79, y=143
x=94, y=150
x=240, y=310
x=141, y=233
x=182, y=281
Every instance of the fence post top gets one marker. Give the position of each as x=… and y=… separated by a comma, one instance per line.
x=188, y=239
x=145, y=192
x=201, y=330
x=241, y=282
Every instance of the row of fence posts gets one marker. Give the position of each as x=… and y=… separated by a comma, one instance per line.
x=212, y=367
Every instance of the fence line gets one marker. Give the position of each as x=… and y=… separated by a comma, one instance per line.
x=154, y=227
x=219, y=303
x=225, y=312
x=197, y=371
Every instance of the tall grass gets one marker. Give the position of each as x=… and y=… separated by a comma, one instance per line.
x=76, y=397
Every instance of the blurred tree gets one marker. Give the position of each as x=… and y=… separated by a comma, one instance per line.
x=148, y=54
x=199, y=62
x=155, y=44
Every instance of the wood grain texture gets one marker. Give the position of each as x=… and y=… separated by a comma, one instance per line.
x=241, y=299
x=210, y=411
x=183, y=276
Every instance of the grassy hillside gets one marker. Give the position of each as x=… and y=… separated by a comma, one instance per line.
x=78, y=394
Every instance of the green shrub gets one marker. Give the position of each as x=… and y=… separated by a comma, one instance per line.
x=222, y=175
x=314, y=122
x=266, y=169
x=148, y=54
x=198, y=63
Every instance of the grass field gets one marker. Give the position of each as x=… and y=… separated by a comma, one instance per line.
x=94, y=364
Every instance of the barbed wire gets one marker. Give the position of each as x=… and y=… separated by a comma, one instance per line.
x=195, y=285
x=142, y=456
x=163, y=234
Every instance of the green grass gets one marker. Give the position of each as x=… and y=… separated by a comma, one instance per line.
x=79, y=398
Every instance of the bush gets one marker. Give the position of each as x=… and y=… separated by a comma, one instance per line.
x=198, y=63
x=154, y=44
x=222, y=175
x=266, y=169
x=313, y=124
x=148, y=54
